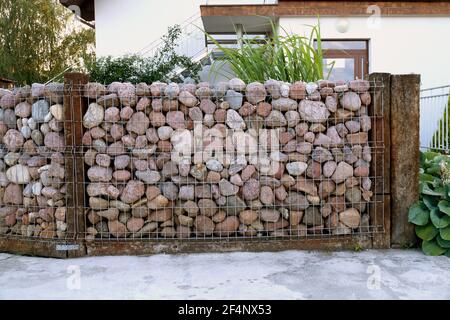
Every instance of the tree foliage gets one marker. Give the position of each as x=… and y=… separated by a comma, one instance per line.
x=164, y=65
x=40, y=39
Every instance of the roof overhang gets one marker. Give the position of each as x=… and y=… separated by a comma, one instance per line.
x=224, y=18
x=227, y=25
x=4, y=80
x=87, y=8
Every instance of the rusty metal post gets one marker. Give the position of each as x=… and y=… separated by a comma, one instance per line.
x=381, y=137
x=75, y=105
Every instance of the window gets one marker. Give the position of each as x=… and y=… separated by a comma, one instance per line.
x=350, y=57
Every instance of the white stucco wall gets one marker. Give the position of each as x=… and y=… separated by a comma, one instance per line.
x=400, y=45
x=126, y=26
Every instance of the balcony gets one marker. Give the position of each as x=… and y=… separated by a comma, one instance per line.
x=222, y=16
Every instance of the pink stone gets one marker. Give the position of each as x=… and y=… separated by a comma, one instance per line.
x=112, y=114
x=133, y=191
x=175, y=119
x=126, y=113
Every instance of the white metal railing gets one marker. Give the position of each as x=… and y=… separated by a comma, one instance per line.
x=434, y=118
x=191, y=40
x=192, y=37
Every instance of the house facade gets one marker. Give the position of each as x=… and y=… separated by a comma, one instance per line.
x=360, y=36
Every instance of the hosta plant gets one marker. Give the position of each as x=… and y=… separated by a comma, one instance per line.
x=431, y=215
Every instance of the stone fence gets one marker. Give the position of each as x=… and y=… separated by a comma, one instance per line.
x=95, y=169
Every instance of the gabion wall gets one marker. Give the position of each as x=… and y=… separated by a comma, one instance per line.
x=32, y=162
x=237, y=160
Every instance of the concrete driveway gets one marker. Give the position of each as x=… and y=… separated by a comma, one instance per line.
x=385, y=274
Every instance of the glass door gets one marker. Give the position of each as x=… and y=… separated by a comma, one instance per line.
x=350, y=58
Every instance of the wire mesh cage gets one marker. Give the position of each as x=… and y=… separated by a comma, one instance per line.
x=230, y=161
x=34, y=176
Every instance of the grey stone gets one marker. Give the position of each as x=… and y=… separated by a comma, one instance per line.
x=235, y=99
x=39, y=110
x=313, y=111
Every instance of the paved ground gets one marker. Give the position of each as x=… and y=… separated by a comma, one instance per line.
x=393, y=274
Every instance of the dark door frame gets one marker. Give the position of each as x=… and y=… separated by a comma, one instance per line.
x=360, y=56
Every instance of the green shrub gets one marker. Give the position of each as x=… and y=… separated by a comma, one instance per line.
x=431, y=215
x=162, y=66
x=288, y=58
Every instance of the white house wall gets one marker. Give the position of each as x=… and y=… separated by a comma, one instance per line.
x=127, y=26
x=400, y=45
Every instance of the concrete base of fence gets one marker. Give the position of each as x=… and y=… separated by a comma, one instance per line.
x=102, y=248
x=29, y=247
x=76, y=249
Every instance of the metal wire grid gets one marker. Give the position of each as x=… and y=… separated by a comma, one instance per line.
x=374, y=227
x=160, y=219
x=35, y=202
x=434, y=116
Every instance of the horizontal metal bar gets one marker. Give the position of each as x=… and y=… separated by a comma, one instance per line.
x=434, y=88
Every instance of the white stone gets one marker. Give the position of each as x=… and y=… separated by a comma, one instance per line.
x=32, y=124
x=165, y=132
x=94, y=116
x=36, y=188
x=18, y=174
x=57, y=111
x=284, y=90
x=236, y=84
x=311, y=87
x=48, y=117
x=296, y=168
x=214, y=165
x=234, y=120
x=26, y=132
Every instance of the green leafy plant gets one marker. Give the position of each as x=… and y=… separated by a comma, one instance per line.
x=358, y=247
x=164, y=65
x=288, y=57
x=431, y=215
